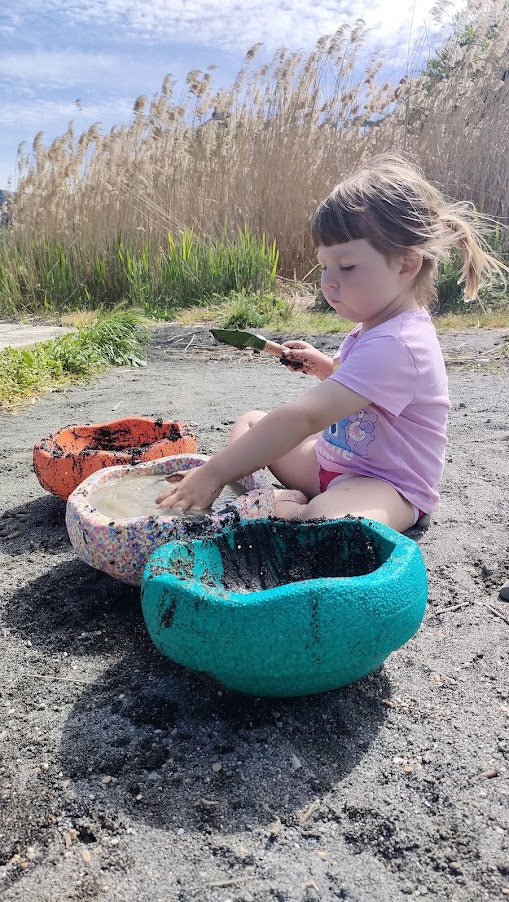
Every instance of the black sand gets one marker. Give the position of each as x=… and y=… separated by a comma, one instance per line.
x=125, y=777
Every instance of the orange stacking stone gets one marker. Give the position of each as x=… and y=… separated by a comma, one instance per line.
x=64, y=459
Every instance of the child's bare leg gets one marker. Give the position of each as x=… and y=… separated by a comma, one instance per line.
x=245, y=422
x=296, y=470
x=360, y=496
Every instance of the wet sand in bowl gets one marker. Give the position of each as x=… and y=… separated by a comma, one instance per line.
x=135, y=496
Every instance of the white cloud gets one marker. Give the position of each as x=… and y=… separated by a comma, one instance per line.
x=236, y=24
x=46, y=113
x=61, y=68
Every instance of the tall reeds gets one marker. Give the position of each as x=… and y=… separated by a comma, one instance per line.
x=255, y=159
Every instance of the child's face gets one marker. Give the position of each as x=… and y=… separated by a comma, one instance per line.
x=359, y=283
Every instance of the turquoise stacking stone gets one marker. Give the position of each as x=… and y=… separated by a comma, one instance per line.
x=285, y=608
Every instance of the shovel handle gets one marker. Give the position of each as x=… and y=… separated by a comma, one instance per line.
x=272, y=347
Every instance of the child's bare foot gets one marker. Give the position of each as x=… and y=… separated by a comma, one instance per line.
x=289, y=504
x=269, y=502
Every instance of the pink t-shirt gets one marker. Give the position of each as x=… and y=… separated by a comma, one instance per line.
x=401, y=435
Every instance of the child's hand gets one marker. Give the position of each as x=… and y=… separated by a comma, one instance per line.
x=190, y=489
x=314, y=363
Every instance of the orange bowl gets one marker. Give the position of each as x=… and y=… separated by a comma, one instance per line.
x=64, y=459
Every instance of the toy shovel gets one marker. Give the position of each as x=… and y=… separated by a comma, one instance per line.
x=239, y=339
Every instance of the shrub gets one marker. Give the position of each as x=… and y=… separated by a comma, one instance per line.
x=255, y=311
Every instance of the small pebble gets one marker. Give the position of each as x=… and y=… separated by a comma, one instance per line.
x=217, y=766
x=504, y=591
x=296, y=764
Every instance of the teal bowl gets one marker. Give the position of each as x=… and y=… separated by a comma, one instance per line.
x=285, y=608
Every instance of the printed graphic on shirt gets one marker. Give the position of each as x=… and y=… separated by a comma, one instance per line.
x=355, y=433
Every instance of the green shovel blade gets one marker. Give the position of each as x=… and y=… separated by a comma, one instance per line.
x=239, y=339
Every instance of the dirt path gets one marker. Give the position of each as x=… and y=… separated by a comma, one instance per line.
x=19, y=335
x=390, y=789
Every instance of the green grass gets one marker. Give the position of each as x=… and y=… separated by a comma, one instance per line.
x=300, y=317
x=115, y=339
x=476, y=319
x=53, y=277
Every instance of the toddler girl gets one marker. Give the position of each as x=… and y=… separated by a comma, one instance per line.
x=369, y=440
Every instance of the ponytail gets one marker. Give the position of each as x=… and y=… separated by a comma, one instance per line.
x=468, y=240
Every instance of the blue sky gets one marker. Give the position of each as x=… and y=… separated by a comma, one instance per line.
x=107, y=52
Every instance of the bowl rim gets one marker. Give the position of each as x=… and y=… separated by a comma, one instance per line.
x=401, y=553
x=78, y=505
x=52, y=437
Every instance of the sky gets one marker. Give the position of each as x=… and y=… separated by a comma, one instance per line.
x=108, y=52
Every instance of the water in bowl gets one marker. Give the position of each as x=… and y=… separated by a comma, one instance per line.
x=135, y=496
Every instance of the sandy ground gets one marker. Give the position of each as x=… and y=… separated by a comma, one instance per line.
x=19, y=335
x=123, y=776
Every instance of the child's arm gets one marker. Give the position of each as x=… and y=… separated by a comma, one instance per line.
x=314, y=362
x=276, y=434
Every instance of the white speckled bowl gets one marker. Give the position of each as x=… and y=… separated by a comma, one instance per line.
x=121, y=546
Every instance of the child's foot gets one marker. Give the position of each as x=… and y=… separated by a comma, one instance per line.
x=268, y=502
x=289, y=504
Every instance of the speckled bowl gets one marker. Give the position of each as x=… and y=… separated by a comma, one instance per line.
x=282, y=608
x=65, y=458
x=122, y=546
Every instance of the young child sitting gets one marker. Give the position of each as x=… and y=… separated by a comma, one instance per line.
x=369, y=440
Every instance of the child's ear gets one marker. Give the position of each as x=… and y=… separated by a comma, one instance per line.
x=411, y=264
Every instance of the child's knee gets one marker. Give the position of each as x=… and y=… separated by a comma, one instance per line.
x=254, y=416
x=245, y=422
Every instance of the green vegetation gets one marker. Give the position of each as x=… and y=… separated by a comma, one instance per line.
x=50, y=276
x=115, y=339
x=256, y=310
x=239, y=276
x=304, y=316
x=119, y=338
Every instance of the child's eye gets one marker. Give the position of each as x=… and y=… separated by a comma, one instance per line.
x=346, y=268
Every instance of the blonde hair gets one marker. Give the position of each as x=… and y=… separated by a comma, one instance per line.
x=390, y=204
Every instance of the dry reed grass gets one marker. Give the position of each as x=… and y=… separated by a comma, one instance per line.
x=264, y=152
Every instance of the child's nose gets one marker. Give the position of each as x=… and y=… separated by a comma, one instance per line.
x=329, y=280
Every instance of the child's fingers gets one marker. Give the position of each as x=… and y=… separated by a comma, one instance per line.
x=295, y=353
x=292, y=359
x=173, y=479
x=172, y=500
x=296, y=343
x=291, y=364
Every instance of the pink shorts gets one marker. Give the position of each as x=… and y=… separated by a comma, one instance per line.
x=328, y=477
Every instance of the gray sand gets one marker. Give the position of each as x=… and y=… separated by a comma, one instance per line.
x=126, y=777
